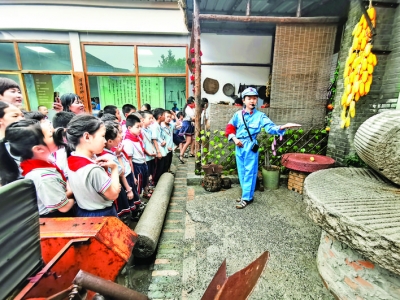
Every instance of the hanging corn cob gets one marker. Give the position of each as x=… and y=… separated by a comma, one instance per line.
x=359, y=67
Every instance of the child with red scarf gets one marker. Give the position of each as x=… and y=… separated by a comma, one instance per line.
x=94, y=189
x=134, y=147
x=128, y=197
x=33, y=142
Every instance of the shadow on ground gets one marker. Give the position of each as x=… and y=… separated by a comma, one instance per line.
x=276, y=222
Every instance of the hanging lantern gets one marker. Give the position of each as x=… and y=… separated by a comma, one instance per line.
x=192, y=77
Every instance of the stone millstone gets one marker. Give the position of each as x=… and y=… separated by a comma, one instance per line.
x=377, y=143
x=358, y=208
x=151, y=222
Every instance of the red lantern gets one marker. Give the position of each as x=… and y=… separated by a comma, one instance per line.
x=192, y=77
x=201, y=53
x=192, y=50
x=193, y=60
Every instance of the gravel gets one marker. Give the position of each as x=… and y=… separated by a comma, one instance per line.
x=275, y=222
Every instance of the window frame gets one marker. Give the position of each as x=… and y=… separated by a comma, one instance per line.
x=136, y=61
x=20, y=72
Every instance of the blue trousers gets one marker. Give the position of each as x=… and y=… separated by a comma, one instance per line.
x=247, y=165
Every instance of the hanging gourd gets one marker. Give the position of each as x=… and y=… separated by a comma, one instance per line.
x=359, y=67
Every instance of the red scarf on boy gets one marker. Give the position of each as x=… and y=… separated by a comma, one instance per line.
x=32, y=164
x=135, y=139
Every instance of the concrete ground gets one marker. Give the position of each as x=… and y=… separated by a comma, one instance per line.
x=201, y=229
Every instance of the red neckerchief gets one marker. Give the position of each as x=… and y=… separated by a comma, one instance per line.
x=113, y=149
x=77, y=162
x=123, y=122
x=135, y=139
x=32, y=164
x=251, y=112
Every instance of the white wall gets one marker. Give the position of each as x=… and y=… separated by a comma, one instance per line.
x=234, y=49
x=92, y=19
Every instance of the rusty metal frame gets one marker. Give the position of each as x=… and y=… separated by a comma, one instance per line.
x=45, y=271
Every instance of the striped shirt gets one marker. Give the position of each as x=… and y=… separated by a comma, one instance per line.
x=50, y=189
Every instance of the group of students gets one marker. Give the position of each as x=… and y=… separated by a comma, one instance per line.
x=89, y=166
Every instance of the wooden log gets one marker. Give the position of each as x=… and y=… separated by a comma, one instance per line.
x=262, y=19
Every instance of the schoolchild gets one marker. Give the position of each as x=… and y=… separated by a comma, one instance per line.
x=179, y=140
x=35, y=115
x=8, y=115
x=10, y=92
x=60, y=123
x=146, y=106
x=158, y=138
x=109, y=117
x=149, y=148
x=134, y=147
x=242, y=129
x=127, y=109
x=110, y=109
x=187, y=128
x=33, y=142
x=125, y=202
x=168, y=127
x=93, y=188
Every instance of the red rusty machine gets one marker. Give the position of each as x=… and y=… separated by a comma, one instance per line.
x=40, y=258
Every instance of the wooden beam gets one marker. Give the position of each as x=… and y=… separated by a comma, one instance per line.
x=257, y=19
x=197, y=82
x=236, y=64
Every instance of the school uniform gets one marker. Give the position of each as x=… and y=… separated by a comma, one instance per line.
x=158, y=134
x=60, y=159
x=149, y=146
x=134, y=147
x=122, y=204
x=50, y=185
x=187, y=126
x=89, y=181
x=169, y=138
x=246, y=159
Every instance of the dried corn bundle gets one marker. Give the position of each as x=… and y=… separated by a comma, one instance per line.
x=359, y=67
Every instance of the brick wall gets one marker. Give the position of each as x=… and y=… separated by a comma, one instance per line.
x=349, y=275
x=386, y=83
x=300, y=76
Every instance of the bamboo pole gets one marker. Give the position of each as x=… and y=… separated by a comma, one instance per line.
x=298, y=13
x=197, y=85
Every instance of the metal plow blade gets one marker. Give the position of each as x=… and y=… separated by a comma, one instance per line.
x=238, y=286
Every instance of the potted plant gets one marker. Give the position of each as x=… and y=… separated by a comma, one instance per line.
x=270, y=173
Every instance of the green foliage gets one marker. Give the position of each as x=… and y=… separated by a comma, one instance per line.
x=172, y=64
x=217, y=149
x=353, y=160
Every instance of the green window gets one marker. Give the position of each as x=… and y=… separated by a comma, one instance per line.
x=8, y=61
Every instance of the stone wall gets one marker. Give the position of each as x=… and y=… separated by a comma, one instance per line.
x=386, y=83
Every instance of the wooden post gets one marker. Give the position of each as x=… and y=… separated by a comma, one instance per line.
x=298, y=13
x=197, y=85
x=248, y=9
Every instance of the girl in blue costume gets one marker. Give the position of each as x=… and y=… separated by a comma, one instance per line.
x=246, y=145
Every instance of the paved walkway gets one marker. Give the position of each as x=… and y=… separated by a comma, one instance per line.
x=201, y=229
